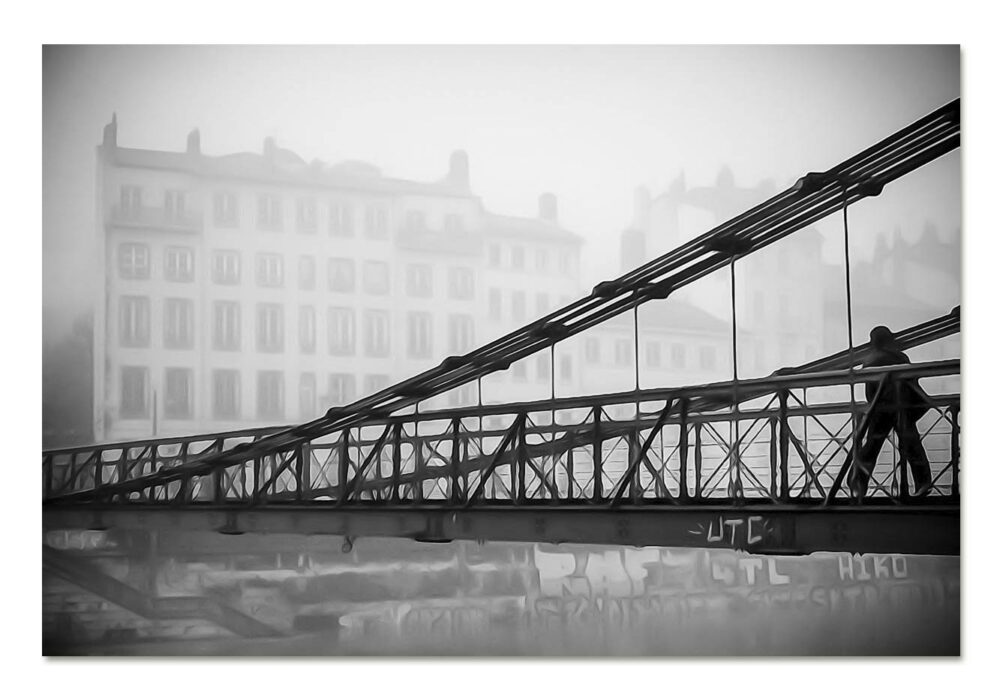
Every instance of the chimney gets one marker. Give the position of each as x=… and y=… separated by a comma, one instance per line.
x=269, y=149
x=194, y=142
x=548, y=208
x=458, y=169
x=641, y=208
x=111, y=132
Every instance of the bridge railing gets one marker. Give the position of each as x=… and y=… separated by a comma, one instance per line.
x=788, y=440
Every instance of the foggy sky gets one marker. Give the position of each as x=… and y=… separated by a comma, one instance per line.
x=587, y=123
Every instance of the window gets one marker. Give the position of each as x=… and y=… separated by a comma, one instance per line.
x=565, y=262
x=653, y=354
x=542, y=367
x=464, y=395
x=623, y=353
x=341, y=220
x=375, y=383
x=494, y=255
x=173, y=206
x=783, y=306
x=268, y=212
x=517, y=310
x=133, y=261
x=376, y=222
x=565, y=368
x=178, y=264
x=496, y=303
x=305, y=215
x=307, y=273
x=270, y=328
x=270, y=270
x=376, y=277
x=131, y=201
x=460, y=333
x=226, y=325
x=542, y=260
x=541, y=304
x=376, y=333
x=453, y=222
x=225, y=211
x=517, y=258
x=592, y=350
x=226, y=267
x=134, y=402
x=520, y=370
x=226, y=394
x=178, y=323
x=677, y=355
x=307, y=395
x=340, y=275
x=134, y=322
x=419, y=281
x=415, y=221
x=177, y=397
x=270, y=395
x=341, y=389
x=340, y=329
x=307, y=329
x=460, y=283
x=706, y=357
x=419, y=327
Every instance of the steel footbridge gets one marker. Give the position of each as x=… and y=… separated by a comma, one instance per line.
x=760, y=465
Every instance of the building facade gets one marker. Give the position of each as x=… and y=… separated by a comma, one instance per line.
x=259, y=289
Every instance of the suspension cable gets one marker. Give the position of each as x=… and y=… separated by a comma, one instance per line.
x=850, y=343
x=736, y=478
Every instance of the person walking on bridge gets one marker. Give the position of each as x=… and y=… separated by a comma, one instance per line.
x=900, y=405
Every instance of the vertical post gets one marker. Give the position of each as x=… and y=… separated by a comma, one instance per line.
x=735, y=474
x=552, y=419
x=773, y=455
x=904, y=483
x=47, y=464
x=418, y=470
x=783, y=442
x=343, y=464
x=569, y=467
x=456, y=471
x=633, y=455
x=123, y=466
x=98, y=469
x=257, y=474
x=397, y=460
x=697, y=461
x=218, y=486
x=953, y=409
x=521, y=458
x=598, y=455
x=683, y=447
x=303, y=478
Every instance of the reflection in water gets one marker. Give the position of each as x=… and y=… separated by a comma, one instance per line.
x=400, y=597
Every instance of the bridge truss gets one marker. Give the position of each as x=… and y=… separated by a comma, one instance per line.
x=756, y=464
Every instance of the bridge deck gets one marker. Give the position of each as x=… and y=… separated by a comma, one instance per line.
x=928, y=528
